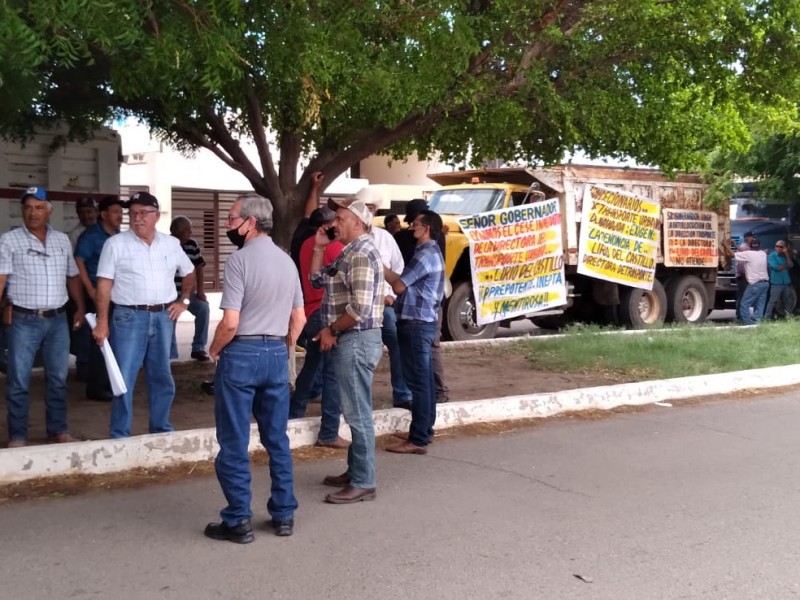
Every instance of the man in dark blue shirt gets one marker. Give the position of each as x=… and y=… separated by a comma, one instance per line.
x=87, y=255
x=419, y=291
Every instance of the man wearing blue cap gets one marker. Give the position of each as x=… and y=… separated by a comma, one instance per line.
x=41, y=272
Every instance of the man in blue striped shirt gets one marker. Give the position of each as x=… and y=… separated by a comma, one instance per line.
x=419, y=291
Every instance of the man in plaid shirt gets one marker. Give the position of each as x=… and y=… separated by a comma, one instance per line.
x=419, y=296
x=352, y=315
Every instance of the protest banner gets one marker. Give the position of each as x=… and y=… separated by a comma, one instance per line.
x=517, y=260
x=619, y=237
x=690, y=238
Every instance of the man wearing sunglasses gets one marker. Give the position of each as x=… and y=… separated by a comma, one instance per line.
x=780, y=282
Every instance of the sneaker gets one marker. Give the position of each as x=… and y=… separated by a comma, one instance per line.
x=201, y=356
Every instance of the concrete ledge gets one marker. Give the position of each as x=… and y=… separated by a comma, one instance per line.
x=170, y=449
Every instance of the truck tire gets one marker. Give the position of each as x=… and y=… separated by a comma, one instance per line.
x=555, y=322
x=687, y=301
x=460, y=319
x=642, y=308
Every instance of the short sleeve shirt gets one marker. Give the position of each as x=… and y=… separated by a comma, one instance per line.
x=37, y=272
x=143, y=273
x=192, y=250
x=778, y=277
x=262, y=284
x=90, y=245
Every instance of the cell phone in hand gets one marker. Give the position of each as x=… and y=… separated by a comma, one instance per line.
x=331, y=233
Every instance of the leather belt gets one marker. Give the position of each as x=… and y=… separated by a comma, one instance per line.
x=44, y=313
x=261, y=338
x=147, y=307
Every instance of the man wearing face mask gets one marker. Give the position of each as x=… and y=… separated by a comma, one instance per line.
x=263, y=315
x=136, y=273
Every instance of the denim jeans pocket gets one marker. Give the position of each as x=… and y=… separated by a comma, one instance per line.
x=239, y=368
x=122, y=315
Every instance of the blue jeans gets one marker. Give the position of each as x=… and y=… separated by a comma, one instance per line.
x=200, y=310
x=400, y=392
x=355, y=357
x=27, y=335
x=253, y=378
x=777, y=292
x=755, y=297
x=140, y=337
x=317, y=363
x=416, y=341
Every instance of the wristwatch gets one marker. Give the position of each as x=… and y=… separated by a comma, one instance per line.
x=334, y=332
x=185, y=301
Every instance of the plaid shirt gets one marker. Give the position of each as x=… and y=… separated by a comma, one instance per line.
x=424, y=281
x=37, y=273
x=354, y=284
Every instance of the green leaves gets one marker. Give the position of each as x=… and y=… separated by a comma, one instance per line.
x=663, y=82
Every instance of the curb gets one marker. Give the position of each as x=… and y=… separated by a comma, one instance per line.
x=170, y=449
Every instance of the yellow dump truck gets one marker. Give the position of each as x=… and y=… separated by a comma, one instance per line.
x=683, y=287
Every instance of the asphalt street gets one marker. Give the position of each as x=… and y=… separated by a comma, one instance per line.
x=691, y=501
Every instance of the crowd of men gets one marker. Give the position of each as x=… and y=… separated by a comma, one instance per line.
x=350, y=290
x=763, y=280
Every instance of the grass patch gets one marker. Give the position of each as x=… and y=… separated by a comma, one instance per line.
x=674, y=351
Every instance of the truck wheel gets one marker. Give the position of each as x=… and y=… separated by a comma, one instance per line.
x=642, y=308
x=460, y=318
x=550, y=322
x=687, y=301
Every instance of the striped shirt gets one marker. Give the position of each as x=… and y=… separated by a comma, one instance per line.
x=37, y=272
x=424, y=281
x=353, y=284
x=143, y=273
x=192, y=250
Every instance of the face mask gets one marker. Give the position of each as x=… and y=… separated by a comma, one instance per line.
x=236, y=238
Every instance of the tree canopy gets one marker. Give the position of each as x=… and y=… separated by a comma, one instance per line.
x=662, y=81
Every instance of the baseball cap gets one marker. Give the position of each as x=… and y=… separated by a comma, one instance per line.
x=110, y=201
x=86, y=201
x=36, y=191
x=749, y=234
x=355, y=206
x=320, y=216
x=413, y=208
x=142, y=198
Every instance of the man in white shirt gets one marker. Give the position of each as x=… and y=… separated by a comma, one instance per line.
x=755, y=295
x=136, y=275
x=392, y=259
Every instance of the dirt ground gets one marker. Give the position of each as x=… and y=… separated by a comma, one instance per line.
x=472, y=374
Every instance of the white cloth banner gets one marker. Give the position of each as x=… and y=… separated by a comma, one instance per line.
x=118, y=386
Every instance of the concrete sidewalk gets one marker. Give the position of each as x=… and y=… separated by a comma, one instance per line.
x=169, y=449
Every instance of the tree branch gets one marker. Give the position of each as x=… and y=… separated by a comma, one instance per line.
x=259, y=135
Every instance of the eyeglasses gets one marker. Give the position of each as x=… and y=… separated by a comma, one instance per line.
x=141, y=214
x=415, y=224
x=35, y=252
x=232, y=217
x=779, y=246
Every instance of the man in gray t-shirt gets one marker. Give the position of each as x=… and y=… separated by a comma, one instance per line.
x=262, y=305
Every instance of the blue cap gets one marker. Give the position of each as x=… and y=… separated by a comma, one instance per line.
x=36, y=191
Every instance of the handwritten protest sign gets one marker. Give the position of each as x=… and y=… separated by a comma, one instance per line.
x=690, y=238
x=619, y=237
x=517, y=260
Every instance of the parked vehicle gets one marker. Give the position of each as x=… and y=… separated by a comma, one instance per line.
x=683, y=294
